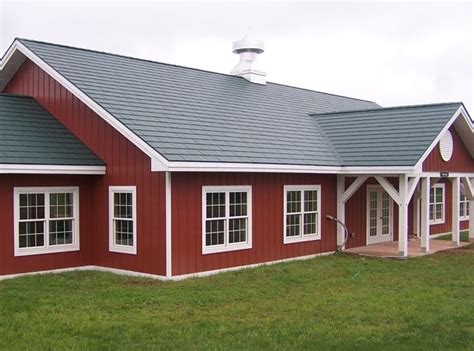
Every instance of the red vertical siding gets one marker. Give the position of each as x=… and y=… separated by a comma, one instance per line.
x=461, y=160
x=267, y=220
x=12, y=265
x=356, y=214
x=126, y=165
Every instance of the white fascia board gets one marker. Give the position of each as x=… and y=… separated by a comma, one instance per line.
x=460, y=112
x=51, y=169
x=158, y=161
x=272, y=168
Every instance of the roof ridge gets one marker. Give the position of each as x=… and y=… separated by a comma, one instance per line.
x=386, y=108
x=181, y=66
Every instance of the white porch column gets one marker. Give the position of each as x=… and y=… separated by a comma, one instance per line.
x=403, y=216
x=455, y=216
x=341, y=208
x=471, y=220
x=425, y=214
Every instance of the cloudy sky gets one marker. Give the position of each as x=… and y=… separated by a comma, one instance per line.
x=390, y=53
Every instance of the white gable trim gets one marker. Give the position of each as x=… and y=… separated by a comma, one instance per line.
x=461, y=112
x=159, y=163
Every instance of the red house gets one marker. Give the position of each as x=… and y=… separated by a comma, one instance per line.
x=115, y=163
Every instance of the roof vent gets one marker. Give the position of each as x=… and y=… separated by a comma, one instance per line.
x=248, y=49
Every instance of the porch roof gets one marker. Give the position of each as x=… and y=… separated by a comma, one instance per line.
x=29, y=135
x=392, y=136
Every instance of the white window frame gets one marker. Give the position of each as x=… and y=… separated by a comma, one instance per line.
x=226, y=247
x=308, y=237
x=442, y=219
x=113, y=247
x=464, y=201
x=46, y=248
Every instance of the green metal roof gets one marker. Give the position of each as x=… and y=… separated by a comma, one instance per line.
x=393, y=136
x=30, y=135
x=188, y=114
x=193, y=115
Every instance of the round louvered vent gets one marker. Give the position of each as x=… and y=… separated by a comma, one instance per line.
x=446, y=146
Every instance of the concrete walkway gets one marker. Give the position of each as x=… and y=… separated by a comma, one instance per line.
x=390, y=248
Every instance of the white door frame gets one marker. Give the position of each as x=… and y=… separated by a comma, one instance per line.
x=379, y=237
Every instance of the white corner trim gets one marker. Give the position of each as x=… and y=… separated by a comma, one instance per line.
x=113, y=247
x=169, y=261
x=459, y=112
x=158, y=161
x=51, y=169
x=161, y=277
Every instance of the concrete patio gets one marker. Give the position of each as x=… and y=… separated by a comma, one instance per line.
x=389, y=249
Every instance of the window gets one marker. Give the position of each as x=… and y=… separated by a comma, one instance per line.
x=302, y=213
x=227, y=218
x=122, y=219
x=437, y=204
x=463, y=207
x=46, y=220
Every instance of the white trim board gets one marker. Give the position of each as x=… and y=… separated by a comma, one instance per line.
x=161, y=277
x=51, y=169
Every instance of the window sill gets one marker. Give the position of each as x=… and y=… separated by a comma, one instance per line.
x=436, y=222
x=462, y=219
x=306, y=238
x=130, y=250
x=44, y=251
x=211, y=250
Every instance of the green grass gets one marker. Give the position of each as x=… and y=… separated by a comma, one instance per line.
x=447, y=237
x=340, y=302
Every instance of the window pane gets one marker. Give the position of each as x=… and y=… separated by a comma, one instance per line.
x=215, y=232
x=439, y=211
x=431, y=212
x=123, y=205
x=215, y=205
x=31, y=234
x=237, y=204
x=293, y=201
x=60, y=232
x=310, y=200
x=31, y=206
x=439, y=195
x=123, y=230
x=60, y=205
x=310, y=223
x=238, y=230
x=293, y=222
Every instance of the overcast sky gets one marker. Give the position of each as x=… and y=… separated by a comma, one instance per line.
x=390, y=53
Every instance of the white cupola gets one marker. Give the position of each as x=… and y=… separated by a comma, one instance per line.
x=248, y=49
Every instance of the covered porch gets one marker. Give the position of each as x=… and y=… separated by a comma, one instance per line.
x=399, y=212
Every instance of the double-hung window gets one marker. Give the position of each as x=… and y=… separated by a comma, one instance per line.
x=302, y=213
x=437, y=204
x=46, y=220
x=463, y=207
x=226, y=218
x=122, y=219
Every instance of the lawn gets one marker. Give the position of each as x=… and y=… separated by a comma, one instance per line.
x=341, y=302
x=464, y=236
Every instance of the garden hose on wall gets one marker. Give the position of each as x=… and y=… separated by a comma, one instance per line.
x=340, y=247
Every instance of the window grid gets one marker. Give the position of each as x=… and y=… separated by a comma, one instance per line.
x=226, y=217
x=463, y=207
x=437, y=204
x=123, y=231
x=302, y=213
x=45, y=220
